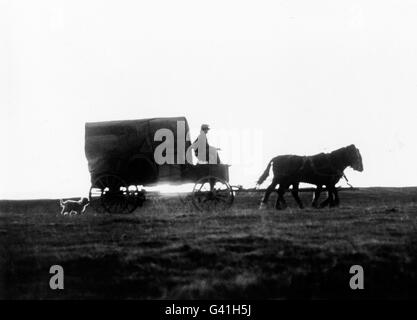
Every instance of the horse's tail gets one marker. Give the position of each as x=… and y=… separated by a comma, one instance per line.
x=265, y=174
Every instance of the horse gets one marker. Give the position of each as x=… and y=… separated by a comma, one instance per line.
x=320, y=169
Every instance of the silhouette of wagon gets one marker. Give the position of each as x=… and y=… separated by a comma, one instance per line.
x=121, y=161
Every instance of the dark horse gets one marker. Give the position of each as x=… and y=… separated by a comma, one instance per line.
x=320, y=169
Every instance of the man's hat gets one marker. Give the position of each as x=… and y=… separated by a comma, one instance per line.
x=205, y=126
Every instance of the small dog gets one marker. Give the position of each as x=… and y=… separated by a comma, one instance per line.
x=72, y=206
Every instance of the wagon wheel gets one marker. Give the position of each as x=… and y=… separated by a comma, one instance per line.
x=95, y=195
x=211, y=193
x=110, y=193
x=135, y=198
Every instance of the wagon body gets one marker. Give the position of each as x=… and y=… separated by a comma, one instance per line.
x=126, y=148
x=192, y=173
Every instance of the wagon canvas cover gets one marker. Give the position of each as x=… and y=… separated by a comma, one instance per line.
x=123, y=147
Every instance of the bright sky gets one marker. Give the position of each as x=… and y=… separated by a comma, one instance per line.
x=273, y=77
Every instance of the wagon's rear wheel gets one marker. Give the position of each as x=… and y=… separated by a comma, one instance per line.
x=212, y=194
x=135, y=198
x=96, y=193
x=109, y=193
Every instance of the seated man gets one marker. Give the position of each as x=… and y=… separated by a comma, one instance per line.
x=203, y=151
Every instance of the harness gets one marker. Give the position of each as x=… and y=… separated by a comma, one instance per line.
x=309, y=160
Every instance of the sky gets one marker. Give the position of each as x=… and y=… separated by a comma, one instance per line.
x=270, y=77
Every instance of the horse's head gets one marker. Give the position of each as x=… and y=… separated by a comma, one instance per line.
x=355, y=158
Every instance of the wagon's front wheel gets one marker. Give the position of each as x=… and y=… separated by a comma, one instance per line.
x=212, y=194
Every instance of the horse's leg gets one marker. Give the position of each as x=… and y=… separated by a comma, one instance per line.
x=268, y=191
x=335, y=199
x=316, y=196
x=294, y=193
x=281, y=191
x=329, y=199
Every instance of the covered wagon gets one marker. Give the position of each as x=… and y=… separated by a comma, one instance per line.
x=122, y=161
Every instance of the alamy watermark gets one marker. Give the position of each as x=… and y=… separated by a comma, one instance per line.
x=57, y=280
x=243, y=147
x=357, y=280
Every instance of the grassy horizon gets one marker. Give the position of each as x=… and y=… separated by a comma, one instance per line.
x=167, y=250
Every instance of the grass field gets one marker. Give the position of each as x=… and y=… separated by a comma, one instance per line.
x=166, y=250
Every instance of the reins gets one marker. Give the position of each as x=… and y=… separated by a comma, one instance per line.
x=347, y=181
x=316, y=171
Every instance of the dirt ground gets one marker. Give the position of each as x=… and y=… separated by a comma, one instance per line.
x=167, y=250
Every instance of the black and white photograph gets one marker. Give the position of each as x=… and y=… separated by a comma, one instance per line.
x=194, y=150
